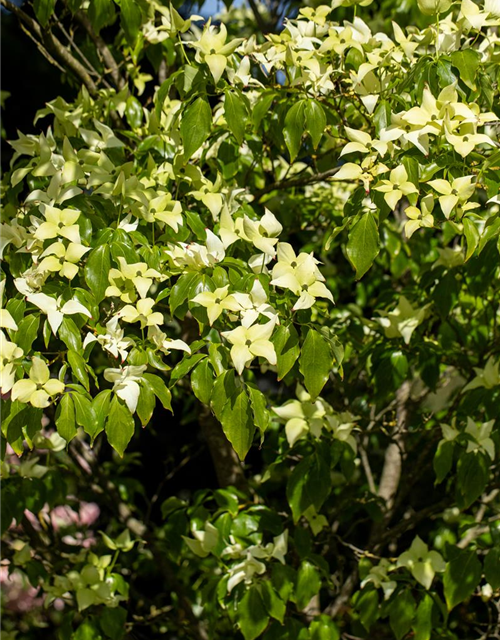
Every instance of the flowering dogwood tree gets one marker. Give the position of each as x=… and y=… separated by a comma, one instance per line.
x=249, y=330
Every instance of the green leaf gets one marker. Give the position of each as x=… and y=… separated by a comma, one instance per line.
x=323, y=629
x=96, y=271
x=195, y=126
x=130, y=16
x=180, y=290
x=259, y=406
x=382, y=116
x=294, y=128
x=461, y=576
x=316, y=362
x=146, y=403
x=308, y=584
x=274, y=605
x=100, y=405
x=77, y=364
x=202, y=381
x=101, y=13
x=252, y=614
x=237, y=423
x=112, y=621
x=315, y=121
x=27, y=332
x=160, y=389
x=472, y=237
x=70, y=334
x=85, y=414
x=133, y=112
x=308, y=484
x=185, y=365
x=472, y=476
x=443, y=461
x=423, y=621
x=65, y=418
x=402, y=612
x=119, y=426
x=467, y=62
x=261, y=108
x=286, y=344
x=224, y=389
x=43, y=10
x=363, y=244
x=236, y=115
x=367, y=606
x=492, y=568
x=87, y=630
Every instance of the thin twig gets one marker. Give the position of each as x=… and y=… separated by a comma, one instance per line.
x=103, y=49
x=56, y=49
x=297, y=182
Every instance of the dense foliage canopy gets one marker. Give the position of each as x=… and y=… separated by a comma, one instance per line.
x=250, y=343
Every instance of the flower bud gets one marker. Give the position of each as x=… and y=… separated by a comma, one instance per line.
x=431, y=7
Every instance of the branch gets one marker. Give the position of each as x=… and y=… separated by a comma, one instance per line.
x=53, y=46
x=103, y=49
x=391, y=473
x=297, y=182
x=90, y=67
x=261, y=23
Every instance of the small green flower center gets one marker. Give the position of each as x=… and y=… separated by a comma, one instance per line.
x=217, y=300
x=138, y=274
x=248, y=343
x=293, y=264
x=454, y=192
x=466, y=138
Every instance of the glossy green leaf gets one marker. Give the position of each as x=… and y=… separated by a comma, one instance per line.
x=294, y=128
x=363, y=244
x=422, y=626
x=131, y=19
x=27, y=332
x=96, y=270
x=402, y=613
x=119, y=426
x=467, y=62
x=259, y=406
x=308, y=584
x=77, y=364
x=44, y=9
x=146, y=403
x=252, y=614
x=237, y=422
x=202, y=381
x=461, y=576
x=286, y=343
x=492, y=567
x=315, y=119
x=316, y=362
x=236, y=114
x=309, y=484
x=195, y=126
x=160, y=390
x=65, y=418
